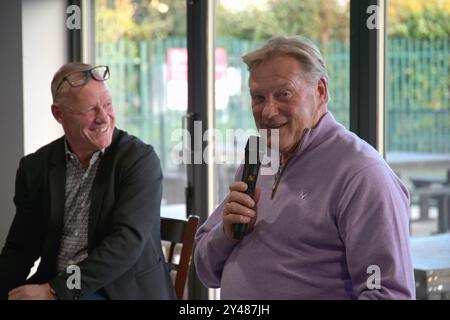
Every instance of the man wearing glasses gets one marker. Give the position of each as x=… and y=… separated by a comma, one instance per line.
x=87, y=204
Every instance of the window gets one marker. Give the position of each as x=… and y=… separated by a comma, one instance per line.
x=242, y=26
x=418, y=107
x=144, y=44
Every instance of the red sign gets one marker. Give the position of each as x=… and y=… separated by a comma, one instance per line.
x=177, y=62
x=221, y=63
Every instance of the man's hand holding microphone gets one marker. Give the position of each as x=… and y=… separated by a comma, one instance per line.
x=239, y=214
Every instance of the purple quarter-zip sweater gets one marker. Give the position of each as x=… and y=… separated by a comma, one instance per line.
x=337, y=228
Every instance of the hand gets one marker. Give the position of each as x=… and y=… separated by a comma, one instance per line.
x=240, y=208
x=32, y=292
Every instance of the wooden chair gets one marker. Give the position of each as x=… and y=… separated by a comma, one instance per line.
x=180, y=232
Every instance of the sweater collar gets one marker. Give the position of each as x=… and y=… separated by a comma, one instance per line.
x=312, y=137
x=315, y=136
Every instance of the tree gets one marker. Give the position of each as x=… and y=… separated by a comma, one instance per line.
x=112, y=21
x=258, y=20
x=419, y=19
x=319, y=20
x=139, y=19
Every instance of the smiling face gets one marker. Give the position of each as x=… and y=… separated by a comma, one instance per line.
x=87, y=116
x=282, y=99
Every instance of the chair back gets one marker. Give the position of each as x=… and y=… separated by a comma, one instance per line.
x=182, y=233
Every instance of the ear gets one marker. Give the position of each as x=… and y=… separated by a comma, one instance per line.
x=57, y=113
x=322, y=92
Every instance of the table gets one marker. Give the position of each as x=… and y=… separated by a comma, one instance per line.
x=426, y=183
x=400, y=161
x=431, y=261
x=442, y=195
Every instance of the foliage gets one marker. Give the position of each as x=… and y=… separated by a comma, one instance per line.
x=419, y=19
x=418, y=61
x=398, y=11
x=139, y=19
x=316, y=19
x=320, y=20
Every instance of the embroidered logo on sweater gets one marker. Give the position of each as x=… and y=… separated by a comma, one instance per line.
x=303, y=194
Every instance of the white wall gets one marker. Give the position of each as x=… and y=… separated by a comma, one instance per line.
x=11, y=113
x=43, y=45
x=32, y=47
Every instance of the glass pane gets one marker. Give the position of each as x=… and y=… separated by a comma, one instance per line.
x=144, y=44
x=418, y=126
x=242, y=26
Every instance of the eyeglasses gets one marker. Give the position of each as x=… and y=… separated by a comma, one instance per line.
x=79, y=78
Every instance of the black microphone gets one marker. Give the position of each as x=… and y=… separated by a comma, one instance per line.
x=249, y=176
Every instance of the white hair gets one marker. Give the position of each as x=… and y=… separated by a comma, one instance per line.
x=298, y=47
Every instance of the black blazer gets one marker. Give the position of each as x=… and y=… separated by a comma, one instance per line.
x=124, y=245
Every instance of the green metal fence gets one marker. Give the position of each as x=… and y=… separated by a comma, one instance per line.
x=418, y=107
x=418, y=100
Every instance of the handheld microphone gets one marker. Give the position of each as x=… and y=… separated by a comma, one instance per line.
x=249, y=176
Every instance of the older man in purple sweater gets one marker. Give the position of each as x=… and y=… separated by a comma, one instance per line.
x=332, y=224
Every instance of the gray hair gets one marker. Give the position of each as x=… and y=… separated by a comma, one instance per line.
x=64, y=71
x=298, y=47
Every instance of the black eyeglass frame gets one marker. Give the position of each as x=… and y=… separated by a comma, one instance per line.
x=87, y=73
